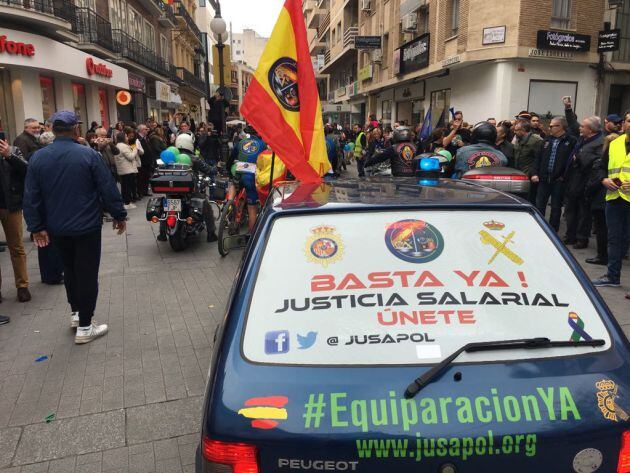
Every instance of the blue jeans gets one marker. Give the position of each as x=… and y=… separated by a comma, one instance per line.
x=555, y=190
x=618, y=221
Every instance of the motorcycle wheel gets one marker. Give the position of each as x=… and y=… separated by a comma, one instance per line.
x=177, y=241
x=224, y=227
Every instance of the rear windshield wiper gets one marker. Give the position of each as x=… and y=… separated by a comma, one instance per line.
x=526, y=343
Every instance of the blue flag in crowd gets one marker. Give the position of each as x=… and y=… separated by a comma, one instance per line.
x=427, y=126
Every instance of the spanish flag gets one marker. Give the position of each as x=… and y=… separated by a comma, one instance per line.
x=282, y=101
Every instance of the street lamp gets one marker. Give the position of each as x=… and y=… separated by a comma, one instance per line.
x=219, y=27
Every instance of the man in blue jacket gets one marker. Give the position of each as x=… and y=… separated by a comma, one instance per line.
x=67, y=188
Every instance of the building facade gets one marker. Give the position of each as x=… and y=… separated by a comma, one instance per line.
x=399, y=59
x=247, y=47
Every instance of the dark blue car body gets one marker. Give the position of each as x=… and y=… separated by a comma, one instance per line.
x=534, y=415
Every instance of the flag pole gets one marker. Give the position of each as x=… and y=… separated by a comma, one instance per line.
x=273, y=161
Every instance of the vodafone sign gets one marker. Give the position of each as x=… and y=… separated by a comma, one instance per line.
x=98, y=69
x=16, y=47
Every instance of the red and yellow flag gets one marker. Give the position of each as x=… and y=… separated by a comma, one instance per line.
x=282, y=101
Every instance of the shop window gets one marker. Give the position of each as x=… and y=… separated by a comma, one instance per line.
x=440, y=103
x=103, y=105
x=544, y=97
x=80, y=104
x=417, y=112
x=48, y=96
x=386, y=110
x=561, y=14
x=454, y=17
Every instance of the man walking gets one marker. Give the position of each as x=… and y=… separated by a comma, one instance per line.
x=148, y=160
x=26, y=141
x=67, y=188
x=12, y=174
x=549, y=171
x=617, y=182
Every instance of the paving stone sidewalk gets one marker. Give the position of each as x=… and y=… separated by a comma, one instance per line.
x=129, y=402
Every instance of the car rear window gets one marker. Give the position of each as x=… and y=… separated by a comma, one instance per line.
x=411, y=287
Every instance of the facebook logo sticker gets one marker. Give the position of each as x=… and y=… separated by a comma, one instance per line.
x=277, y=342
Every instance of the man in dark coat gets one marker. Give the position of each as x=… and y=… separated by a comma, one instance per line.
x=27, y=141
x=12, y=174
x=526, y=150
x=577, y=209
x=550, y=168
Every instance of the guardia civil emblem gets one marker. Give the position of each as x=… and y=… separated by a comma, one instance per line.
x=324, y=246
x=606, y=395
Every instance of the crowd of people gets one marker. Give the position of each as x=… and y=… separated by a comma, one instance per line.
x=567, y=162
x=576, y=166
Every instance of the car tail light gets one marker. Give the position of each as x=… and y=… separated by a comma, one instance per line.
x=154, y=219
x=240, y=456
x=624, y=453
x=502, y=177
x=171, y=221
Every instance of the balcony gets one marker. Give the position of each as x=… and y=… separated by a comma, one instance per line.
x=327, y=57
x=314, y=14
x=348, y=36
x=188, y=21
x=324, y=23
x=131, y=49
x=308, y=5
x=94, y=31
x=167, y=17
x=189, y=79
x=316, y=45
x=57, y=17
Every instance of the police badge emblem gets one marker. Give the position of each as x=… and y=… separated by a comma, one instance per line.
x=324, y=246
x=283, y=81
x=606, y=395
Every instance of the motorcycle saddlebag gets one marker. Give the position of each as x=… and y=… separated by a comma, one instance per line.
x=155, y=208
x=173, y=183
x=219, y=190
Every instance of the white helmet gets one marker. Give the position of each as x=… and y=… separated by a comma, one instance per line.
x=185, y=141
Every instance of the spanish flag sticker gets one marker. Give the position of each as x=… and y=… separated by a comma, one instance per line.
x=265, y=412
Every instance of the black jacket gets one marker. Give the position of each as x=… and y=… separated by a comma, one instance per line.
x=27, y=144
x=595, y=192
x=587, y=153
x=148, y=159
x=563, y=155
x=12, y=174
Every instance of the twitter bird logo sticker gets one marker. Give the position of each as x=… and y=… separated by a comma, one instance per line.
x=306, y=341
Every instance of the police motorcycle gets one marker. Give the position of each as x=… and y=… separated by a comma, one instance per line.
x=185, y=209
x=397, y=160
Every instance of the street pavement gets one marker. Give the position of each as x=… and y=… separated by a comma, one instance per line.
x=131, y=401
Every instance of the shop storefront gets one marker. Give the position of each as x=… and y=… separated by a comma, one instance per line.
x=136, y=110
x=40, y=76
x=163, y=102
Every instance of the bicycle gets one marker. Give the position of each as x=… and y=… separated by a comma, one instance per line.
x=234, y=217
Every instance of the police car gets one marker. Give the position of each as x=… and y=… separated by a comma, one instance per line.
x=387, y=325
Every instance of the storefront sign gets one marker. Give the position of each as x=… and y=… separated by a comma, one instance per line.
x=41, y=53
x=16, y=48
x=98, y=69
x=608, y=41
x=551, y=54
x=414, y=55
x=451, y=60
x=137, y=83
x=366, y=73
x=561, y=40
x=162, y=91
x=123, y=97
x=493, y=35
x=367, y=42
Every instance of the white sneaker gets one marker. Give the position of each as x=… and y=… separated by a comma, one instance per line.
x=74, y=320
x=130, y=207
x=88, y=334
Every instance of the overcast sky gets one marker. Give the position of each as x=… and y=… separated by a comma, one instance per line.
x=260, y=15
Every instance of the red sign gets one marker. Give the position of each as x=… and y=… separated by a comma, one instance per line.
x=98, y=69
x=11, y=47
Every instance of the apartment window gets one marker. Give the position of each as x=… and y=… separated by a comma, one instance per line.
x=165, y=48
x=385, y=50
x=339, y=37
x=149, y=35
x=135, y=24
x=454, y=16
x=423, y=21
x=202, y=3
x=334, y=37
x=118, y=14
x=561, y=14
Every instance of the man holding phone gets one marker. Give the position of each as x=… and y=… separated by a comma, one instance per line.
x=617, y=183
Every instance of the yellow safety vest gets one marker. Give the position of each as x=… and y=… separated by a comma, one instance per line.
x=618, y=166
x=358, y=148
